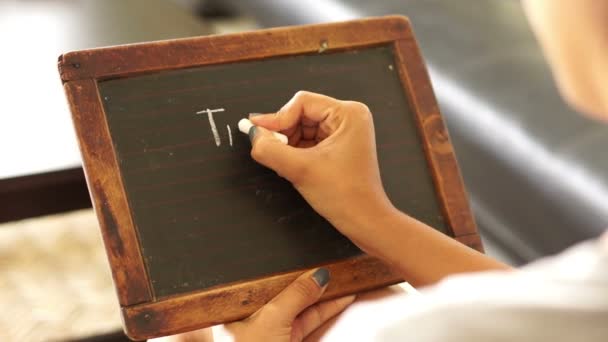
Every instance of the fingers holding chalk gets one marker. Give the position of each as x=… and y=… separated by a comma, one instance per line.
x=246, y=126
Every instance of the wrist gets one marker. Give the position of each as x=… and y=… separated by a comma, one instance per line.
x=366, y=224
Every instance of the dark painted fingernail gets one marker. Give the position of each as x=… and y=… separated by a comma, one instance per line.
x=321, y=276
x=254, y=114
x=252, y=132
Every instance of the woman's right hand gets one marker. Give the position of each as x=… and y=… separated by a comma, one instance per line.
x=331, y=158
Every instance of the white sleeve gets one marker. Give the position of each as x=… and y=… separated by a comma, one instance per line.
x=562, y=298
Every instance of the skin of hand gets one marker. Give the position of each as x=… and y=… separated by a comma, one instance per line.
x=574, y=39
x=328, y=141
x=331, y=160
x=290, y=316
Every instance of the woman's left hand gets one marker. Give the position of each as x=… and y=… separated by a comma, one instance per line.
x=294, y=313
x=290, y=316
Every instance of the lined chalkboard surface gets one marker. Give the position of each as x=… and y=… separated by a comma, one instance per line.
x=205, y=212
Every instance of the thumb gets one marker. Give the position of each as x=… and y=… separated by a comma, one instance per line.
x=269, y=121
x=271, y=152
x=299, y=295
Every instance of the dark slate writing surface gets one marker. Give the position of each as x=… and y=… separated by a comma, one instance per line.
x=208, y=214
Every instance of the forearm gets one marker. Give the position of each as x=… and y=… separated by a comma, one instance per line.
x=421, y=254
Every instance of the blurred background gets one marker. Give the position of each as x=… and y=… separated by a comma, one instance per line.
x=535, y=171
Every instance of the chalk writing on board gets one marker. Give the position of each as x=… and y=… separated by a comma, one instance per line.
x=216, y=135
x=229, y=134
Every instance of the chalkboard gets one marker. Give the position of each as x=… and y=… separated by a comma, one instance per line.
x=196, y=232
x=205, y=212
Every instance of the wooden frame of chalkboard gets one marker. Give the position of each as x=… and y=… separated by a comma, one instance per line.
x=146, y=316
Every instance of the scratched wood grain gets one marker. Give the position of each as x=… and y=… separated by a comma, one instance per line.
x=208, y=214
x=108, y=195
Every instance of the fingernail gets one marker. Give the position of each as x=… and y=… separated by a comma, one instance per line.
x=321, y=276
x=254, y=114
x=252, y=132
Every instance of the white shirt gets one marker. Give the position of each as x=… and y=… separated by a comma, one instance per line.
x=561, y=298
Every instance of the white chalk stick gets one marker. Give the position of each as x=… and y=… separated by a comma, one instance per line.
x=245, y=125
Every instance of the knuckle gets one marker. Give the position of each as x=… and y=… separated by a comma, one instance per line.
x=258, y=149
x=306, y=288
x=360, y=109
x=360, y=114
x=332, y=306
x=301, y=95
x=333, y=121
x=297, y=332
x=271, y=310
x=316, y=315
